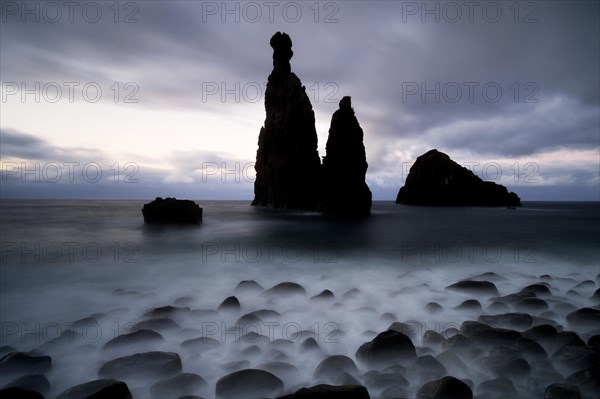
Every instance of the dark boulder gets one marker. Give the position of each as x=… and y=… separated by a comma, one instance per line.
x=386, y=349
x=332, y=366
x=474, y=287
x=148, y=364
x=562, y=391
x=248, y=383
x=177, y=385
x=34, y=382
x=445, y=388
x=230, y=304
x=330, y=392
x=437, y=180
x=584, y=317
x=19, y=393
x=134, y=338
x=98, y=389
x=285, y=289
x=248, y=286
x=172, y=211
x=24, y=363
x=287, y=161
x=345, y=191
x=498, y=388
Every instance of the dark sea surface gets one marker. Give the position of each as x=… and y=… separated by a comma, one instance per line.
x=61, y=261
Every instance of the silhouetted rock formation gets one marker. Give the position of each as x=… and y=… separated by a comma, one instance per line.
x=345, y=166
x=287, y=160
x=435, y=179
x=171, y=210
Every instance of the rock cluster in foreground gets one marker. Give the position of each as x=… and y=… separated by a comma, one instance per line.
x=437, y=180
x=172, y=211
x=532, y=342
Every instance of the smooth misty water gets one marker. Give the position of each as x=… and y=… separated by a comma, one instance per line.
x=61, y=261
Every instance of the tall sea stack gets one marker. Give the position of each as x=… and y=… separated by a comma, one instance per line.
x=287, y=161
x=345, y=191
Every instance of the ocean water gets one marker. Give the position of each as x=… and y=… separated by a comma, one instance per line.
x=96, y=261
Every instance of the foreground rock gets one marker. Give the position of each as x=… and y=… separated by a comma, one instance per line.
x=330, y=392
x=143, y=365
x=287, y=160
x=172, y=211
x=445, y=388
x=19, y=393
x=24, y=363
x=98, y=389
x=474, y=287
x=248, y=383
x=345, y=191
x=386, y=349
x=178, y=385
x=437, y=180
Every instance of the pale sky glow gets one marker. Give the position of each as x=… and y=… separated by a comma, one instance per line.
x=174, y=120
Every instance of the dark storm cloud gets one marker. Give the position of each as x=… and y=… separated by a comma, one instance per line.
x=548, y=52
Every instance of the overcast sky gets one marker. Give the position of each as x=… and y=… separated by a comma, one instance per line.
x=141, y=99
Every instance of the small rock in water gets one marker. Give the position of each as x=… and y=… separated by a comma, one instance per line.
x=584, y=317
x=230, y=304
x=324, y=295
x=387, y=348
x=34, y=382
x=98, y=389
x=332, y=366
x=470, y=305
x=474, y=287
x=172, y=211
x=134, y=338
x=19, y=393
x=178, y=385
x=434, y=308
x=562, y=391
x=148, y=364
x=158, y=324
x=248, y=286
x=286, y=288
x=248, y=383
x=498, y=388
x=330, y=392
x=445, y=388
x=24, y=363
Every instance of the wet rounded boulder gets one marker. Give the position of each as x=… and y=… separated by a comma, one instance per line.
x=248, y=383
x=445, y=388
x=330, y=392
x=144, y=365
x=474, y=287
x=387, y=349
x=98, y=389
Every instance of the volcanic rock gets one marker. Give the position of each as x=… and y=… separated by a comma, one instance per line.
x=345, y=191
x=172, y=211
x=437, y=180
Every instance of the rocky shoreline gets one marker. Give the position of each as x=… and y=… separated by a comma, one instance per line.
x=526, y=343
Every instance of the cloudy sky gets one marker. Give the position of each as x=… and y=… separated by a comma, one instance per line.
x=138, y=99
